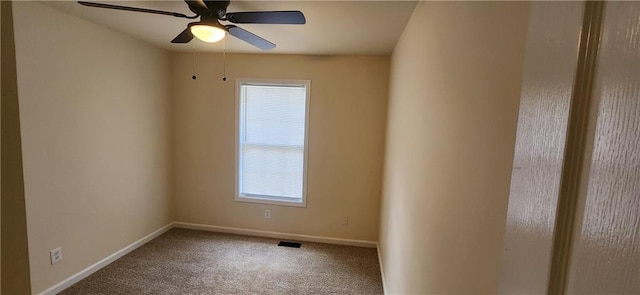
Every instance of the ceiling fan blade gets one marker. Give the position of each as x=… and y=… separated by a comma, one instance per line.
x=267, y=17
x=134, y=9
x=185, y=37
x=249, y=37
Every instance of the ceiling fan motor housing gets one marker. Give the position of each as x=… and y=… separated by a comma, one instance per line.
x=210, y=21
x=218, y=9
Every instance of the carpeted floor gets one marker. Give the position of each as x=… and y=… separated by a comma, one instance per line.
x=185, y=261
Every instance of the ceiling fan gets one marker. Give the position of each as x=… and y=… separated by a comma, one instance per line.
x=209, y=28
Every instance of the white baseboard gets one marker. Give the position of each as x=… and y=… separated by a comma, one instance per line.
x=66, y=283
x=384, y=286
x=276, y=235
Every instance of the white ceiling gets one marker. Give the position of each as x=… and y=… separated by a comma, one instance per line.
x=333, y=27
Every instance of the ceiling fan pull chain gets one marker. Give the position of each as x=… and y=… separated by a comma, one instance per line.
x=193, y=68
x=224, y=59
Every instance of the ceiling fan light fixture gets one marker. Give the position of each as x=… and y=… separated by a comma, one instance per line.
x=207, y=32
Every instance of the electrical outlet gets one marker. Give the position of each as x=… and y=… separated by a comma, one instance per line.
x=56, y=255
x=267, y=214
x=345, y=220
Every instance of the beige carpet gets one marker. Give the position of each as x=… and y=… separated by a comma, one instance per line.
x=185, y=261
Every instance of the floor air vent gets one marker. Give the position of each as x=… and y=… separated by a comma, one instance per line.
x=289, y=244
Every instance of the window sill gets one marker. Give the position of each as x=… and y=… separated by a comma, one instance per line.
x=258, y=200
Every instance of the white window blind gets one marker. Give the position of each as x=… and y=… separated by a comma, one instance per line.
x=272, y=141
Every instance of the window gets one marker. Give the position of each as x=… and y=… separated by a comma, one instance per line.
x=272, y=140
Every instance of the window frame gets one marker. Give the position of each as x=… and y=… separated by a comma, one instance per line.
x=274, y=200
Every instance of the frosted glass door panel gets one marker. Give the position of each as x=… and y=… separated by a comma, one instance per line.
x=607, y=258
x=550, y=67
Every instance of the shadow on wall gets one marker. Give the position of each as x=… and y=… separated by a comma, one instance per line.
x=15, y=254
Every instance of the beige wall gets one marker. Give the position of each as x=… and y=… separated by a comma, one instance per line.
x=346, y=142
x=15, y=255
x=453, y=105
x=95, y=118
